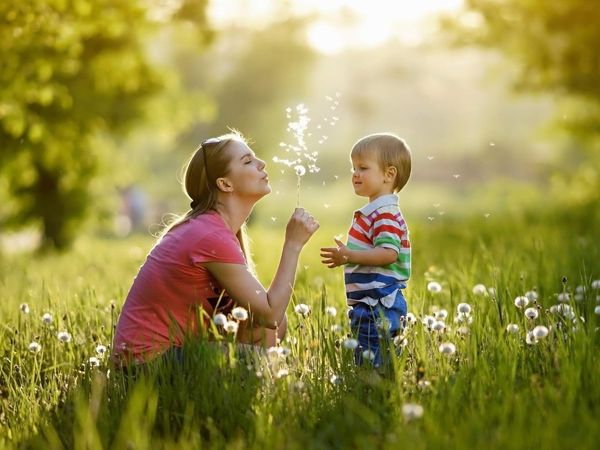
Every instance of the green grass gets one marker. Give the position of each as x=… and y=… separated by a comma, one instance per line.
x=496, y=391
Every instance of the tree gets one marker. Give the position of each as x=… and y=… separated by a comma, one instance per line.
x=71, y=70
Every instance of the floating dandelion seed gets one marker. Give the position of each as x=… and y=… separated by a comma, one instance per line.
x=273, y=219
x=430, y=158
x=456, y=175
x=540, y=332
x=412, y=411
x=64, y=336
x=231, y=327
x=330, y=311
x=24, y=307
x=463, y=308
x=479, y=289
x=302, y=309
x=447, y=348
x=521, y=302
x=434, y=286
x=34, y=347
x=512, y=328
x=220, y=319
x=239, y=313
x=531, y=313
x=350, y=344
x=47, y=318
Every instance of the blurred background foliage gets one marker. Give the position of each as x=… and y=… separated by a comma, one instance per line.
x=101, y=102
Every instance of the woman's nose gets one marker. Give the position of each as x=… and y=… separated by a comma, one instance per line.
x=261, y=164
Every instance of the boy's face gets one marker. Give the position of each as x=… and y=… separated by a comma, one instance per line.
x=368, y=179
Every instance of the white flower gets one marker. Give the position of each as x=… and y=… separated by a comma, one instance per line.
x=463, y=317
x=24, y=307
x=579, y=297
x=554, y=309
x=350, y=344
x=64, y=336
x=596, y=284
x=434, y=286
x=220, y=319
x=410, y=318
x=564, y=309
x=463, y=308
x=93, y=361
x=531, y=295
x=231, y=326
x=369, y=355
x=239, y=313
x=564, y=297
x=530, y=338
x=580, y=289
x=463, y=330
x=412, y=411
x=336, y=328
x=275, y=353
x=479, y=289
x=540, y=332
x=282, y=373
x=447, y=348
x=597, y=310
x=428, y=321
x=492, y=291
x=34, y=347
x=512, y=328
x=400, y=341
x=531, y=313
x=330, y=311
x=569, y=315
x=47, y=318
x=521, y=301
x=100, y=350
x=438, y=325
x=302, y=309
x=441, y=314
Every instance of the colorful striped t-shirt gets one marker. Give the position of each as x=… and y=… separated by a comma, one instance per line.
x=378, y=224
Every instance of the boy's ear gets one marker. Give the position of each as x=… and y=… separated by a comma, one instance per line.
x=224, y=185
x=390, y=173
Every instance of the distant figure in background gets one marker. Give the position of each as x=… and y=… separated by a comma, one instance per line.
x=377, y=254
x=135, y=204
x=201, y=260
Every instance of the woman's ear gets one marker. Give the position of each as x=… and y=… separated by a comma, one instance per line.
x=224, y=185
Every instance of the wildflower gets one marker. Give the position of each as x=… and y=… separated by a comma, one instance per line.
x=463, y=330
x=24, y=307
x=64, y=336
x=231, y=326
x=400, y=341
x=463, y=308
x=100, y=350
x=438, y=325
x=335, y=380
x=369, y=355
x=540, y=332
x=336, y=328
x=302, y=309
x=479, y=289
x=492, y=291
x=441, y=314
x=521, y=302
x=282, y=373
x=350, y=344
x=531, y=313
x=447, y=348
x=554, y=309
x=93, y=361
x=462, y=317
x=410, y=318
x=220, y=319
x=564, y=297
x=597, y=310
x=512, y=328
x=530, y=338
x=34, y=347
x=428, y=321
x=434, y=286
x=564, y=309
x=579, y=297
x=331, y=311
x=580, y=289
x=531, y=295
x=47, y=318
x=239, y=313
x=412, y=411
x=596, y=284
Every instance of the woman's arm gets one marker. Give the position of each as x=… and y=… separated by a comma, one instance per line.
x=268, y=306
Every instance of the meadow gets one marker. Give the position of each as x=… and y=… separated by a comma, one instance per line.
x=514, y=377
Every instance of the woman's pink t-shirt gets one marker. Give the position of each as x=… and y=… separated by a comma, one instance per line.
x=162, y=304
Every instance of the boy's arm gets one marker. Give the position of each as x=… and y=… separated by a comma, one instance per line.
x=337, y=256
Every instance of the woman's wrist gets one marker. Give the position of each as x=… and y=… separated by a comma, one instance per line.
x=291, y=246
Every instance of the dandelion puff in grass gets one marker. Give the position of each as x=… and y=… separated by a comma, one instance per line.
x=596, y=284
x=282, y=373
x=434, y=287
x=531, y=313
x=512, y=328
x=64, y=336
x=463, y=308
x=24, y=307
x=335, y=380
x=521, y=302
x=93, y=361
x=412, y=411
x=463, y=330
x=438, y=326
x=531, y=295
x=302, y=309
x=34, y=347
x=479, y=289
x=597, y=310
x=400, y=341
x=330, y=311
x=47, y=318
x=564, y=297
x=220, y=319
x=239, y=313
x=231, y=327
x=369, y=355
x=540, y=332
x=442, y=314
x=411, y=319
x=530, y=338
x=100, y=350
x=350, y=344
x=428, y=321
x=447, y=348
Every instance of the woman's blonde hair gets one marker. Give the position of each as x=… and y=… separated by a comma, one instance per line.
x=209, y=162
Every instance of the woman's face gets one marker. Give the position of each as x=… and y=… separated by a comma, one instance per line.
x=247, y=176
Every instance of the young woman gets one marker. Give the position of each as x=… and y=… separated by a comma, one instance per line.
x=201, y=263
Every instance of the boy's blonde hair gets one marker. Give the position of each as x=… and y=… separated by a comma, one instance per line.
x=390, y=150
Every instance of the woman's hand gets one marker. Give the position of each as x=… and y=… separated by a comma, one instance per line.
x=300, y=228
x=335, y=256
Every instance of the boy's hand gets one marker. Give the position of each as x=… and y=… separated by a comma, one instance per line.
x=335, y=256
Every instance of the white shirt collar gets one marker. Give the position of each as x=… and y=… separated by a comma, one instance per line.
x=384, y=200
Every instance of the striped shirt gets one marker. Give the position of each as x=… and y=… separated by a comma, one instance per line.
x=378, y=224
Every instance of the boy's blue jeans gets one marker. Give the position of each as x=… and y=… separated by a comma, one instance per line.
x=376, y=325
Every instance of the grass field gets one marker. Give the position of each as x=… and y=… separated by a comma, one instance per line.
x=495, y=391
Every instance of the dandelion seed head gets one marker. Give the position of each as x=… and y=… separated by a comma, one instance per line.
x=231, y=327
x=434, y=287
x=521, y=302
x=282, y=373
x=479, y=289
x=330, y=311
x=302, y=309
x=220, y=319
x=596, y=284
x=350, y=344
x=442, y=314
x=100, y=350
x=64, y=336
x=412, y=411
x=447, y=348
x=369, y=355
x=512, y=328
x=34, y=347
x=564, y=297
x=410, y=318
x=463, y=308
x=24, y=307
x=531, y=295
x=540, y=332
x=438, y=326
x=531, y=313
x=47, y=318
x=597, y=310
x=93, y=361
x=239, y=313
